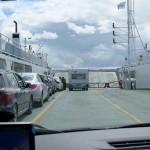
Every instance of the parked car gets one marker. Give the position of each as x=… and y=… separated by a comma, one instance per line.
x=54, y=84
x=47, y=82
x=59, y=83
x=15, y=94
x=39, y=88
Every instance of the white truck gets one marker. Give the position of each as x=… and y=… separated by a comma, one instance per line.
x=78, y=79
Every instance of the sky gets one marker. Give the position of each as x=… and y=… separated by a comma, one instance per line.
x=74, y=33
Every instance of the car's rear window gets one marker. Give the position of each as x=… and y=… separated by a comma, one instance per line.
x=27, y=77
x=57, y=79
x=1, y=81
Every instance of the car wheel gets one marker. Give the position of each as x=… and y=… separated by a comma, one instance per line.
x=41, y=101
x=46, y=99
x=15, y=111
x=30, y=106
x=51, y=93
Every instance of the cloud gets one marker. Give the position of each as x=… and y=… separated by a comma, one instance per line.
x=105, y=26
x=63, y=21
x=101, y=52
x=58, y=58
x=81, y=30
x=45, y=35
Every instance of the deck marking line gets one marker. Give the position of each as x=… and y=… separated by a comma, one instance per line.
x=121, y=109
x=45, y=109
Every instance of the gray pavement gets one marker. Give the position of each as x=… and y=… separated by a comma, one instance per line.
x=96, y=108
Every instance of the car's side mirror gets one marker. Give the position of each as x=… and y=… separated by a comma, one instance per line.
x=46, y=82
x=21, y=84
x=28, y=85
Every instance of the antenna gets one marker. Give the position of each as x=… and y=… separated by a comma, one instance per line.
x=40, y=46
x=129, y=38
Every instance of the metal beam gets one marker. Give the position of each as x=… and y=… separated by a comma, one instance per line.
x=7, y=0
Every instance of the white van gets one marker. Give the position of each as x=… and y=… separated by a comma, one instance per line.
x=78, y=79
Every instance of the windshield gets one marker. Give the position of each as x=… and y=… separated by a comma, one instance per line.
x=99, y=49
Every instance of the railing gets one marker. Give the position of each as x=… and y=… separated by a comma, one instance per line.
x=114, y=84
x=139, y=60
x=9, y=47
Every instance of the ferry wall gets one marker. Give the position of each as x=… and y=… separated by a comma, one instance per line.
x=143, y=76
x=95, y=77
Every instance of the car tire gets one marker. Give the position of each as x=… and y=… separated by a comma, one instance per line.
x=46, y=99
x=30, y=106
x=51, y=93
x=41, y=101
x=15, y=111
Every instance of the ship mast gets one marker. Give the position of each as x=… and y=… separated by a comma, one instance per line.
x=131, y=30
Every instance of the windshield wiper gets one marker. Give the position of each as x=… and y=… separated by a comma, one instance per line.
x=39, y=130
x=106, y=128
x=83, y=129
x=135, y=125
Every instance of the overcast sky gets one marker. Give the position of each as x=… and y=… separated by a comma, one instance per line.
x=74, y=33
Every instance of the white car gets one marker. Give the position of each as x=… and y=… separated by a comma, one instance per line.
x=40, y=89
x=59, y=83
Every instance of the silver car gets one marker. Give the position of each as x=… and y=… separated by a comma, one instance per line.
x=47, y=82
x=58, y=83
x=53, y=83
x=40, y=89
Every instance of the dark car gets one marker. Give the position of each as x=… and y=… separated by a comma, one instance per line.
x=15, y=94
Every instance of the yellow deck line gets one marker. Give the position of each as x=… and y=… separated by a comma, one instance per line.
x=119, y=108
x=45, y=109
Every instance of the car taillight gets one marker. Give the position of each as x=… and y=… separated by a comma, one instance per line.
x=5, y=98
x=34, y=86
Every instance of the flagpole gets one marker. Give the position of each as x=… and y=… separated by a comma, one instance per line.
x=129, y=13
x=128, y=22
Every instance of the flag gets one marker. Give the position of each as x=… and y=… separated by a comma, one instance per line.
x=121, y=5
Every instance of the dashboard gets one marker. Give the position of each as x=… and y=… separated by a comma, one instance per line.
x=26, y=136
x=120, y=139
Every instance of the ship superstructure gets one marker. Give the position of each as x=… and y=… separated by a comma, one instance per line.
x=134, y=74
x=15, y=57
